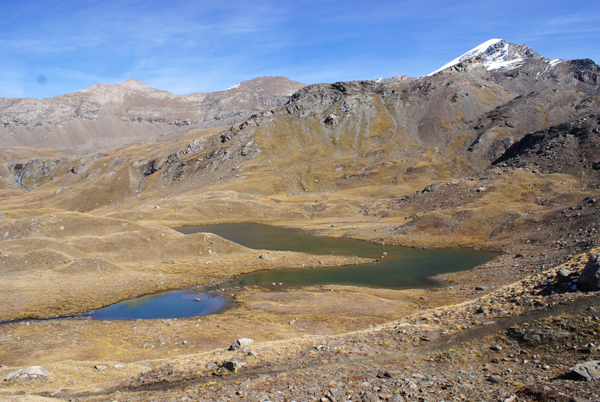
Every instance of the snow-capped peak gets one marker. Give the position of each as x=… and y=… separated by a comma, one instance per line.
x=496, y=54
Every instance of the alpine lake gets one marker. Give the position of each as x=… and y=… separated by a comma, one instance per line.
x=397, y=268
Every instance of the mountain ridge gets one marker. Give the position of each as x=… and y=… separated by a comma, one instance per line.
x=106, y=115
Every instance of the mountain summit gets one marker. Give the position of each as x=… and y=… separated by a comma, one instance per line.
x=497, y=54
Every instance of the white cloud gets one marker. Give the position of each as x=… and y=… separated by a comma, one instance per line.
x=574, y=19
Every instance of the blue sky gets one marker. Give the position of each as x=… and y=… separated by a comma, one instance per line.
x=53, y=47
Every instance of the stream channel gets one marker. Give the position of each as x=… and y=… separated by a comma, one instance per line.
x=402, y=267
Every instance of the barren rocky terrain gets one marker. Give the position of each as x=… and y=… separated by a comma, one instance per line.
x=104, y=116
x=504, y=158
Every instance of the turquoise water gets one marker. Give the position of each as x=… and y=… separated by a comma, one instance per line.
x=402, y=267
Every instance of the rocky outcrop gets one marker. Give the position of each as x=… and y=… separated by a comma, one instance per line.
x=29, y=373
x=589, y=279
x=563, y=148
x=587, y=371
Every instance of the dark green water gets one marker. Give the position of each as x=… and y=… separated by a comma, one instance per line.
x=402, y=267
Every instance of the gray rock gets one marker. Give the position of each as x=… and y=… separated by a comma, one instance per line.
x=26, y=373
x=384, y=374
x=231, y=365
x=589, y=371
x=240, y=343
x=589, y=279
x=411, y=385
x=494, y=379
x=369, y=397
x=13, y=375
x=264, y=256
x=563, y=275
x=431, y=188
x=331, y=120
x=35, y=370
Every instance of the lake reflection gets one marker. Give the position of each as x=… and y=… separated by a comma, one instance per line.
x=171, y=304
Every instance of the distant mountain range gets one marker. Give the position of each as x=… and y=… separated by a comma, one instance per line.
x=104, y=116
x=464, y=116
x=472, y=109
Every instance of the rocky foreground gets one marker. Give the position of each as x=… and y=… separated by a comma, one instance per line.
x=533, y=340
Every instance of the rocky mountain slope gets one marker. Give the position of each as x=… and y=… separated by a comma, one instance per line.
x=103, y=116
x=500, y=149
x=394, y=143
x=497, y=54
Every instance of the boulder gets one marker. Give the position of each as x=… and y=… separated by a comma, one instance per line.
x=240, y=343
x=228, y=367
x=564, y=275
x=589, y=279
x=231, y=365
x=588, y=371
x=27, y=373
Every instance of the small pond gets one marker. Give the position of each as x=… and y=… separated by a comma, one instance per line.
x=170, y=304
x=402, y=267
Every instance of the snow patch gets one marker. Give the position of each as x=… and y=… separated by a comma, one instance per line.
x=509, y=64
x=551, y=65
x=476, y=51
x=233, y=87
x=498, y=54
